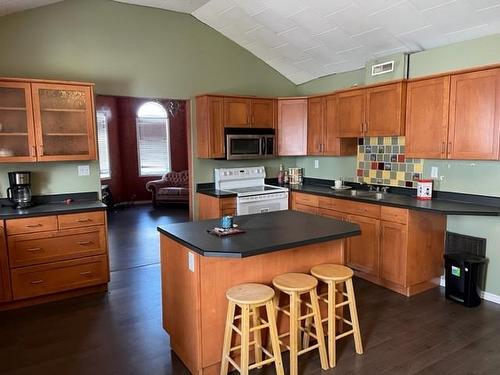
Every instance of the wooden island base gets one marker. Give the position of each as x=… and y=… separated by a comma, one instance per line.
x=194, y=301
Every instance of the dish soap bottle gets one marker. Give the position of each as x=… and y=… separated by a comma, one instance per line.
x=281, y=175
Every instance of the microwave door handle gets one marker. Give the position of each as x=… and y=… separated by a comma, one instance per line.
x=263, y=146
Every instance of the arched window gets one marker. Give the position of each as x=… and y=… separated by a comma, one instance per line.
x=153, y=140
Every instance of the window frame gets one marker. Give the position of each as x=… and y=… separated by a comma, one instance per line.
x=110, y=172
x=166, y=119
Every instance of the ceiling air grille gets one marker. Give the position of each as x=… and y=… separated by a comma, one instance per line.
x=383, y=68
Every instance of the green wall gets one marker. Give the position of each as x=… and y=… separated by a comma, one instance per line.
x=131, y=51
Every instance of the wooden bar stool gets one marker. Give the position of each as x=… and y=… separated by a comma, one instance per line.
x=333, y=274
x=250, y=298
x=295, y=285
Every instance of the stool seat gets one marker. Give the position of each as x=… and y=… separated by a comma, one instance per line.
x=295, y=282
x=332, y=272
x=250, y=294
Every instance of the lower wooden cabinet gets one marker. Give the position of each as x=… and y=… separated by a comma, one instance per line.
x=398, y=248
x=393, y=244
x=215, y=207
x=43, y=257
x=55, y=277
x=362, y=252
x=5, y=290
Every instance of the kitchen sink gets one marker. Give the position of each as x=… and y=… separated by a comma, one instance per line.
x=378, y=195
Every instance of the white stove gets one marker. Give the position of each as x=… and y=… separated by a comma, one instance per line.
x=253, y=195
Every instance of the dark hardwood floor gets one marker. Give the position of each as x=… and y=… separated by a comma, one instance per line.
x=133, y=238
x=120, y=332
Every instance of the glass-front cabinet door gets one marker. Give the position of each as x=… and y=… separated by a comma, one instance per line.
x=17, y=138
x=64, y=122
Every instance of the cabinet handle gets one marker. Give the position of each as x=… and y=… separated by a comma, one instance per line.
x=86, y=273
x=449, y=148
x=37, y=282
x=33, y=150
x=84, y=242
x=33, y=225
x=443, y=148
x=40, y=150
x=84, y=220
x=34, y=249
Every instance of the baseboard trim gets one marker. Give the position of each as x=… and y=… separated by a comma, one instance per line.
x=487, y=296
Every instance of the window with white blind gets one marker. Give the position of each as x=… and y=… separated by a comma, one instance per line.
x=103, y=145
x=153, y=145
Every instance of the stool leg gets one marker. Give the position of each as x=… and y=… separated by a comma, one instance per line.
x=354, y=317
x=332, y=355
x=307, y=326
x=257, y=335
x=273, y=338
x=245, y=339
x=294, y=333
x=319, y=329
x=227, y=338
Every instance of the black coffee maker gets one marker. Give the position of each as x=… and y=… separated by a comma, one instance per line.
x=19, y=191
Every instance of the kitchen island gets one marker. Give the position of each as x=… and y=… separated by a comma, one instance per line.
x=198, y=268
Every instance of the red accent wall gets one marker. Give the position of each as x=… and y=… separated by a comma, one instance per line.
x=125, y=183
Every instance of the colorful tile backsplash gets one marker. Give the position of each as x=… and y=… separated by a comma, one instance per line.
x=382, y=160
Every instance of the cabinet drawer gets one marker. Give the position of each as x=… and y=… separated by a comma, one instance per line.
x=351, y=207
x=30, y=249
x=31, y=225
x=305, y=199
x=83, y=219
x=396, y=215
x=228, y=203
x=58, y=277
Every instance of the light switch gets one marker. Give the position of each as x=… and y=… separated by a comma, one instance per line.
x=191, y=261
x=434, y=172
x=316, y=163
x=83, y=170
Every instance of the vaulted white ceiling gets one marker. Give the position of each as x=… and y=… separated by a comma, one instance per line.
x=307, y=39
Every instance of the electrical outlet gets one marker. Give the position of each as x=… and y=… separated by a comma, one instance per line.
x=83, y=170
x=434, y=172
x=191, y=261
x=316, y=163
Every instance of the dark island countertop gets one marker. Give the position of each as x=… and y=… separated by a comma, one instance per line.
x=52, y=208
x=442, y=206
x=264, y=233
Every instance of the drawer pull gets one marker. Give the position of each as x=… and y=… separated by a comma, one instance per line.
x=86, y=273
x=37, y=282
x=83, y=243
x=34, y=249
x=33, y=225
x=84, y=220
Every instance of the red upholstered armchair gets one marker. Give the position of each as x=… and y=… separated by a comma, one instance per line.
x=173, y=187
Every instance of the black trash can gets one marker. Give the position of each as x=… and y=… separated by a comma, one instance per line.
x=463, y=274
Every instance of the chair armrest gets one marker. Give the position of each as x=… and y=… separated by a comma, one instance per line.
x=156, y=185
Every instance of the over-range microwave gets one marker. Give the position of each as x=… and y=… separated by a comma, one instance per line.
x=250, y=143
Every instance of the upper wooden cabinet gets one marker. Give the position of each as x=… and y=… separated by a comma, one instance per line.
x=210, y=127
x=245, y=113
x=427, y=107
x=292, y=127
x=264, y=113
x=17, y=134
x=475, y=115
x=322, y=129
x=42, y=121
x=315, y=125
x=374, y=111
x=454, y=117
x=64, y=122
x=237, y=112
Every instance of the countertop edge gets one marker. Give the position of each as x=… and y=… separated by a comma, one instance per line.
x=410, y=207
x=261, y=251
x=55, y=211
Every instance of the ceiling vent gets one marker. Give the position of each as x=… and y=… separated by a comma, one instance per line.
x=383, y=68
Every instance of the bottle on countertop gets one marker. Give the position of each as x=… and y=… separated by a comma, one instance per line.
x=286, y=178
x=281, y=175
